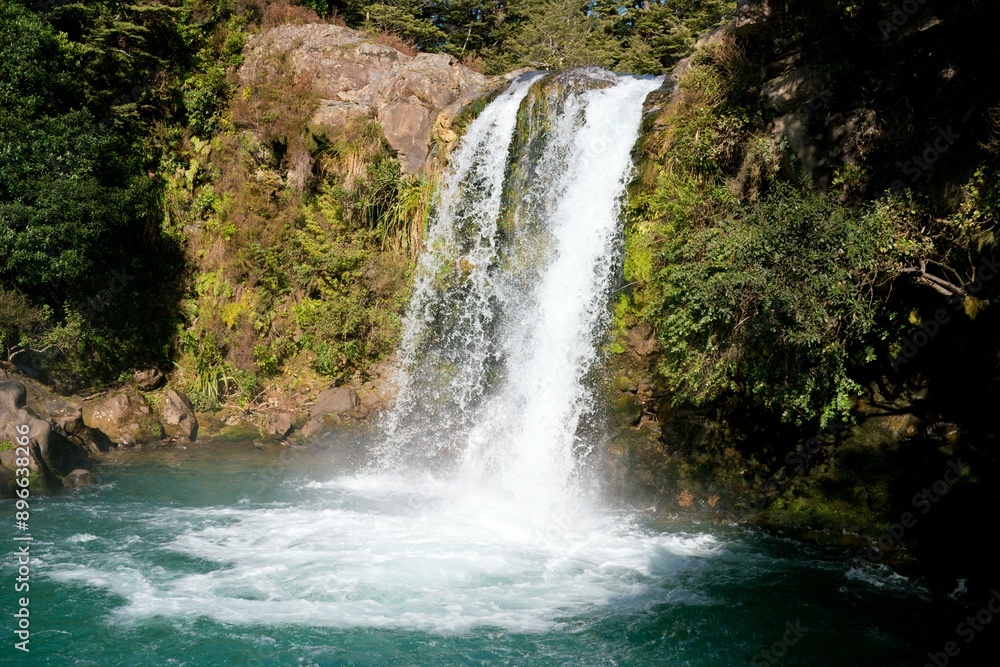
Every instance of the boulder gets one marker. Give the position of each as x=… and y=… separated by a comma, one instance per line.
x=278, y=424
x=335, y=400
x=353, y=75
x=66, y=416
x=793, y=89
x=13, y=396
x=209, y=425
x=49, y=449
x=332, y=407
x=80, y=478
x=150, y=379
x=177, y=416
x=124, y=416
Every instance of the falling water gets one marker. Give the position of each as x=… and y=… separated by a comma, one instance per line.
x=512, y=291
x=473, y=541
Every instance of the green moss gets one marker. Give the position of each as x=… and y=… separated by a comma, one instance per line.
x=471, y=111
x=6, y=445
x=821, y=512
x=627, y=409
x=240, y=433
x=36, y=482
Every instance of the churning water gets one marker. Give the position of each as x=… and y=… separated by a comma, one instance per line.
x=512, y=292
x=468, y=534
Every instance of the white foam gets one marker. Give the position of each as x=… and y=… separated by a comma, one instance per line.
x=430, y=565
x=497, y=344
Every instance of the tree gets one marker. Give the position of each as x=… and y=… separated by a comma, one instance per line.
x=73, y=194
x=562, y=33
x=18, y=319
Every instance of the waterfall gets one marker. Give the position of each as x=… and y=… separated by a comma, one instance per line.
x=511, y=293
x=474, y=518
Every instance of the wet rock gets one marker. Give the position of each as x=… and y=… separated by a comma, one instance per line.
x=178, y=416
x=124, y=416
x=278, y=425
x=371, y=397
x=49, y=448
x=80, y=478
x=628, y=410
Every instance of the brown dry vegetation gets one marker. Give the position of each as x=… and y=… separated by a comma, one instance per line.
x=300, y=240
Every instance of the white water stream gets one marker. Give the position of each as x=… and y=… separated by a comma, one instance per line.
x=473, y=516
x=512, y=293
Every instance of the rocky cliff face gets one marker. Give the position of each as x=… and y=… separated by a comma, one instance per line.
x=414, y=98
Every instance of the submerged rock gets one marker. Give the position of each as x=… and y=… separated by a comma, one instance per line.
x=80, y=478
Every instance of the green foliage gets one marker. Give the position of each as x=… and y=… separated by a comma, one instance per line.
x=762, y=290
x=207, y=90
x=557, y=34
x=73, y=193
x=205, y=95
x=645, y=38
x=212, y=375
x=292, y=276
x=20, y=321
x=658, y=34
x=82, y=86
x=347, y=319
x=778, y=302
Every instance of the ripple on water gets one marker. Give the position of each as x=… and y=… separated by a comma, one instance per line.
x=356, y=560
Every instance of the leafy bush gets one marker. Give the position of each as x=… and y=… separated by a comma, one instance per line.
x=779, y=302
x=19, y=320
x=760, y=289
